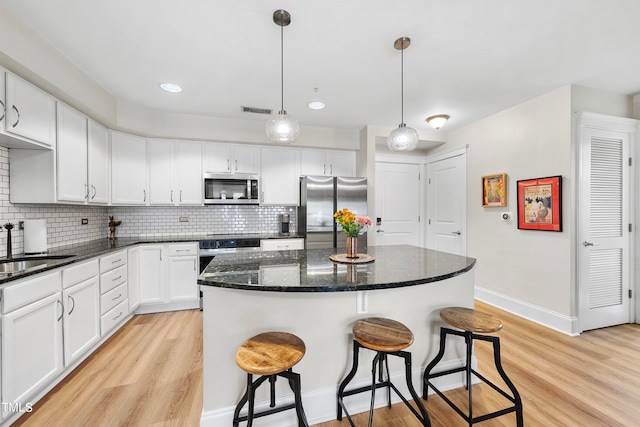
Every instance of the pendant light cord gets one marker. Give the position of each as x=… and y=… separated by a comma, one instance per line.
x=402, y=84
x=281, y=68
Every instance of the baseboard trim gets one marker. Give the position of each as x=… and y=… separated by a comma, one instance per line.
x=566, y=324
x=320, y=405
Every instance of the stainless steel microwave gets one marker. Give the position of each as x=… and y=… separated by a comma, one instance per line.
x=231, y=189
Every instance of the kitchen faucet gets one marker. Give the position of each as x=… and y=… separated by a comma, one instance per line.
x=8, y=226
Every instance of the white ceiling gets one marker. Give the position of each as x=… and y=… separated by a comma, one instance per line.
x=468, y=58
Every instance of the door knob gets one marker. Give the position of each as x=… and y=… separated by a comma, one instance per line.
x=379, y=230
x=585, y=244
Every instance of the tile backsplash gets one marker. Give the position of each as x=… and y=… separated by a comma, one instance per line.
x=64, y=222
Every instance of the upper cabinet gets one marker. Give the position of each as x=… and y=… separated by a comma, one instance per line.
x=71, y=153
x=230, y=158
x=327, y=163
x=279, y=179
x=98, y=163
x=161, y=172
x=188, y=175
x=28, y=115
x=128, y=169
x=175, y=172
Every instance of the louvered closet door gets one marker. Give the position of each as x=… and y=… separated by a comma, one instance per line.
x=604, y=258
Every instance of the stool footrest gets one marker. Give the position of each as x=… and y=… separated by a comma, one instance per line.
x=268, y=412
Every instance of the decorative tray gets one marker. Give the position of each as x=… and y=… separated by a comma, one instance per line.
x=360, y=259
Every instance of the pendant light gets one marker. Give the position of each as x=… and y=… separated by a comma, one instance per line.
x=403, y=138
x=281, y=127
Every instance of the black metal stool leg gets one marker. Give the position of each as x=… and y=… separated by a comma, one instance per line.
x=251, y=392
x=516, y=396
x=468, y=338
x=272, y=390
x=243, y=400
x=294, y=381
x=433, y=363
x=386, y=362
x=426, y=421
x=376, y=359
x=348, y=378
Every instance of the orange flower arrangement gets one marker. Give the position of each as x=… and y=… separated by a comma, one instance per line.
x=352, y=225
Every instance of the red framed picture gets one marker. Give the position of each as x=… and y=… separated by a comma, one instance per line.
x=540, y=204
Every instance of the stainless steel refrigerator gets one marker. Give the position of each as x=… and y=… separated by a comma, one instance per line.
x=320, y=198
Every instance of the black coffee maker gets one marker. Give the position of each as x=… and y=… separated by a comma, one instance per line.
x=285, y=220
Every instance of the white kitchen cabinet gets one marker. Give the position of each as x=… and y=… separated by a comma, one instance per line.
x=151, y=272
x=168, y=277
x=98, y=163
x=188, y=173
x=113, y=290
x=80, y=293
x=327, y=163
x=161, y=172
x=32, y=337
x=128, y=169
x=71, y=154
x=280, y=177
x=30, y=113
x=230, y=158
x=81, y=319
x=133, y=278
x=281, y=244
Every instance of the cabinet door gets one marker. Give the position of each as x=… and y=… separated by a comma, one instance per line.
x=31, y=113
x=244, y=159
x=182, y=279
x=189, y=173
x=98, y=163
x=3, y=106
x=151, y=274
x=313, y=162
x=280, y=177
x=161, y=172
x=81, y=319
x=128, y=169
x=216, y=158
x=341, y=163
x=71, y=154
x=133, y=278
x=31, y=349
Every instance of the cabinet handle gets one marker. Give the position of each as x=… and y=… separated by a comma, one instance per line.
x=117, y=278
x=330, y=169
x=86, y=191
x=180, y=196
x=94, y=192
x=236, y=165
x=4, y=111
x=145, y=195
x=73, y=307
x=61, y=305
x=117, y=298
x=118, y=260
x=228, y=165
x=262, y=196
x=171, y=196
x=18, y=113
x=194, y=265
x=117, y=316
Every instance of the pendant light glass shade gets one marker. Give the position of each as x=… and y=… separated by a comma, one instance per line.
x=282, y=128
x=404, y=138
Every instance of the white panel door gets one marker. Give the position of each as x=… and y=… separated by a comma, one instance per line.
x=71, y=154
x=182, y=275
x=604, y=237
x=446, y=210
x=397, y=204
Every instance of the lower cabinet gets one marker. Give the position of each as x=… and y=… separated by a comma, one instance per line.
x=113, y=290
x=32, y=343
x=168, y=277
x=81, y=315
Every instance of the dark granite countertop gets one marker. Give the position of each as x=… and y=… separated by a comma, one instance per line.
x=312, y=270
x=87, y=250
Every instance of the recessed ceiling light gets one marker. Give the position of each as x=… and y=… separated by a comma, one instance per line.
x=170, y=87
x=316, y=105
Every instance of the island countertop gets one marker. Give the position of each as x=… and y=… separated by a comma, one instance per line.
x=313, y=271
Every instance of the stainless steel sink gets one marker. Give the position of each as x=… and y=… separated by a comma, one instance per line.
x=15, y=265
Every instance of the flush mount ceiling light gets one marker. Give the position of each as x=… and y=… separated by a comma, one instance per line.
x=316, y=105
x=404, y=138
x=170, y=87
x=438, y=121
x=282, y=128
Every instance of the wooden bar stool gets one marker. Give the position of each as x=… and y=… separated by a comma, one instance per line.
x=473, y=323
x=385, y=337
x=271, y=355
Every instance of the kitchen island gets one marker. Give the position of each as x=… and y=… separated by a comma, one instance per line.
x=305, y=293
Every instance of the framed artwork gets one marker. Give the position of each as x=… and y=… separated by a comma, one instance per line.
x=494, y=190
x=540, y=204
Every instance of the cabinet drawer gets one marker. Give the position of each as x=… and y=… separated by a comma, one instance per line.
x=114, y=316
x=112, y=298
x=113, y=278
x=79, y=273
x=183, y=250
x=30, y=290
x=112, y=261
x=281, y=244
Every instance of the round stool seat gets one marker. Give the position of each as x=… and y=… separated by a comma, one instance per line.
x=270, y=353
x=380, y=334
x=470, y=320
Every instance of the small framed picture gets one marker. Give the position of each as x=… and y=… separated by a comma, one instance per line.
x=494, y=190
x=540, y=204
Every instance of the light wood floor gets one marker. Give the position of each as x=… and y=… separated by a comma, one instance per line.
x=149, y=374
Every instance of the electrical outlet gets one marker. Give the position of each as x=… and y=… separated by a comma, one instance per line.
x=21, y=225
x=84, y=221
x=184, y=219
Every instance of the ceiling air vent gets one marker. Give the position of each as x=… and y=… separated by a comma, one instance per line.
x=266, y=111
